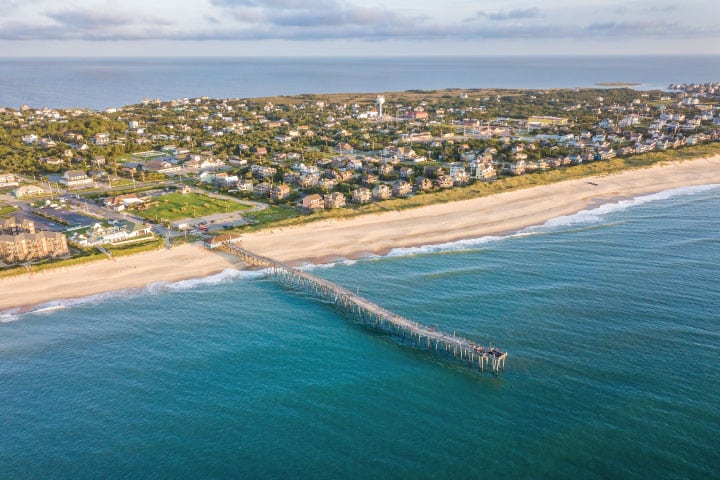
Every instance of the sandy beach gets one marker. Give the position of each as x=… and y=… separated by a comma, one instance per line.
x=493, y=215
x=134, y=271
x=357, y=237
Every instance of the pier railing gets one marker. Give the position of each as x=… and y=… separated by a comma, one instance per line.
x=372, y=315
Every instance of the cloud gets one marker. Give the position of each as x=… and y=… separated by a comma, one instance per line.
x=310, y=14
x=321, y=20
x=103, y=18
x=644, y=9
x=515, y=14
x=89, y=19
x=644, y=28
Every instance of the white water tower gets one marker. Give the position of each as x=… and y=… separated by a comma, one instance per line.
x=380, y=101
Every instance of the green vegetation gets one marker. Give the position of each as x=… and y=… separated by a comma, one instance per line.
x=434, y=134
x=54, y=263
x=176, y=206
x=7, y=209
x=153, y=244
x=117, y=191
x=87, y=256
x=272, y=216
x=617, y=84
x=290, y=217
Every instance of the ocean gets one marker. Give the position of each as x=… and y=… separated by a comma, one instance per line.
x=114, y=82
x=611, y=318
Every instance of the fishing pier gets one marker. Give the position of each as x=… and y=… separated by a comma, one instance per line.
x=377, y=317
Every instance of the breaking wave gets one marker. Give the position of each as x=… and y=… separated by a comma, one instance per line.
x=225, y=276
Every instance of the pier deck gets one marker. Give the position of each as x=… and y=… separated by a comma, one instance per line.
x=371, y=314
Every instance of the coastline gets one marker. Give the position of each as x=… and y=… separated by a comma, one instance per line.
x=23, y=292
x=356, y=237
x=497, y=214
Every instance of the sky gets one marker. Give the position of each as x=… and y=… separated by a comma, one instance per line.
x=58, y=28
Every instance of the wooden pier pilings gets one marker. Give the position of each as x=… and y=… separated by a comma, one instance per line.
x=375, y=316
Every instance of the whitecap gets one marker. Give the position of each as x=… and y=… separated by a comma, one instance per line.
x=598, y=214
x=316, y=266
x=583, y=217
x=226, y=276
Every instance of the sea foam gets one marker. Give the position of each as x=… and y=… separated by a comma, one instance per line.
x=584, y=217
x=226, y=276
x=598, y=214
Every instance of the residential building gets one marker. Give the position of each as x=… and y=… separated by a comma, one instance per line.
x=327, y=183
x=517, y=168
x=262, y=189
x=424, y=184
x=260, y=171
x=120, y=202
x=335, y=200
x=445, y=181
x=313, y=202
x=386, y=169
x=381, y=192
x=280, y=192
x=291, y=177
x=401, y=189
x=101, y=139
x=309, y=180
x=8, y=180
x=361, y=195
x=13, y=225
x=407, y=172
x=114, y=234
x=486, y=173
x=245, y=185
x=19, y=242
x=161, y=166
x=224, y=180
x=370, y=179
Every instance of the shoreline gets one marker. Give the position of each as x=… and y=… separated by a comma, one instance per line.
x=328, y=241
x=498, y=214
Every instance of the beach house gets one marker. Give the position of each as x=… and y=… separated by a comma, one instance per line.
x=381, y=192
x=262, y=189
x=401, y=189
x=280, y=192
x=313, y=202
x=335, y=200
x=361, y=195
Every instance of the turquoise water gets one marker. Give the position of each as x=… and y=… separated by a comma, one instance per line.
x=611, y=318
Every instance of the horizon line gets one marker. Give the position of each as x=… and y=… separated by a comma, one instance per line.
x=364, y=56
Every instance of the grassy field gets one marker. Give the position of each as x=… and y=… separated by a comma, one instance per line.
x=6, y=210
x=271, y=215
x=176, y=206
